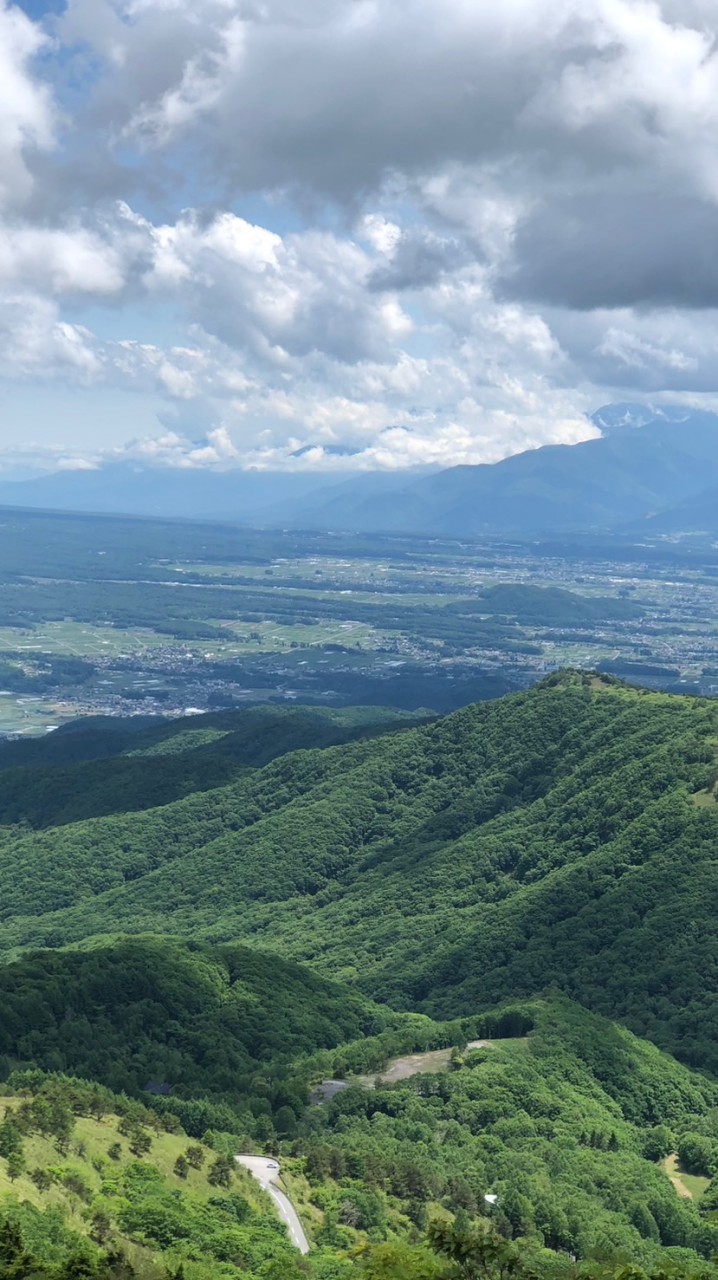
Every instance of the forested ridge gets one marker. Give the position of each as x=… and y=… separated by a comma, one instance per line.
x=99, y=766
x=506, y=875
x=563, y=836
x=201, y=1020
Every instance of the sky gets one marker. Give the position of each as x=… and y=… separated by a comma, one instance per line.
x=350, y=234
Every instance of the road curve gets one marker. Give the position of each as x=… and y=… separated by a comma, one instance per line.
x=266, y=1172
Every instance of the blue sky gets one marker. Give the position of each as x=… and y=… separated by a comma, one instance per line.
x=39, y=9
x=337, y=236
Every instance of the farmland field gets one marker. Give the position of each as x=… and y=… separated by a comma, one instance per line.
x=117, y=616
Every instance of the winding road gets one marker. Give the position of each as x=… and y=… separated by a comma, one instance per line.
x=266, y=1172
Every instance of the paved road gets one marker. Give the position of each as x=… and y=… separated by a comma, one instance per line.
x=266, y=1172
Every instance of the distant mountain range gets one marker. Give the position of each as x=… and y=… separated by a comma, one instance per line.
x=696, y=514
x=623, y=477
x=652, y=470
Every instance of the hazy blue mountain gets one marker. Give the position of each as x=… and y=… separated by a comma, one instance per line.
x=238, y=496
x=648, y=460
x=619, y=417
x=697, y=514
x=623, y=476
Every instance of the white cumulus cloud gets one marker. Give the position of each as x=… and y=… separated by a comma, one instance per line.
x=358, y=235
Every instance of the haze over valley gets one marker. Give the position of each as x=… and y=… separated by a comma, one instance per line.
x=651, y=470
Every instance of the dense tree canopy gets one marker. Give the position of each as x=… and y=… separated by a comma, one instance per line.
x=561, y=836
x=482, y=868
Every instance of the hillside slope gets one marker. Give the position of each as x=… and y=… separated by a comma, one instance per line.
x=201, y=1020
x=566, y=835
x=562, y=1116
x=92, y=1185
x=599, y=483
x=566, y=1126
x=695, y=515
x=102, y=766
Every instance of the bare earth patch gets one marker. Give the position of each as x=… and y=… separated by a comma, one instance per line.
x=413, y=1064
x=688, y=1185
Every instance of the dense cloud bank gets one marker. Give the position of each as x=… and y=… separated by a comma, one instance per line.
x=368, y=234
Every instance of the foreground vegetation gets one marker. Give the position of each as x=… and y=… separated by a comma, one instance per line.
x=88, y=1189
x=521, y=868
x=565, y=1126
x=563, y=836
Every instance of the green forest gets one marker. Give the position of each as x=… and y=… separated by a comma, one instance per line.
x=492, y=932
x=566, y=1119
x=563, y=837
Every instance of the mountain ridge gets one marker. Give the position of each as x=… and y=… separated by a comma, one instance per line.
x=460, y=924
x=408, y=863
x=646, y=459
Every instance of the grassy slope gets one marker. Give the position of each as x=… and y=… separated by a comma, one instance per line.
x=690, y=1186
x=142, y=1200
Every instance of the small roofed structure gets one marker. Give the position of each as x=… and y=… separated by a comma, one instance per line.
x=326, y=1090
